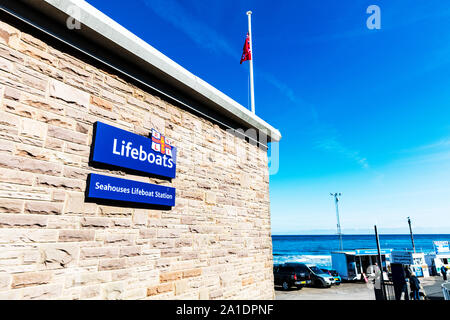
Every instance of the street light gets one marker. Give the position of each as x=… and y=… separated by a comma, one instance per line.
x=336, y=200
x=411, y=233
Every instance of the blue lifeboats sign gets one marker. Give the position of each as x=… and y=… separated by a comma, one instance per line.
x=120, y=148
x=112, y=188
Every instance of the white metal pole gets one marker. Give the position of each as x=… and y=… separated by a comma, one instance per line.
x=336, y=200
x=252, y=87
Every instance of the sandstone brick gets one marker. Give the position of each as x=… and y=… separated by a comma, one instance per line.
x=7, y=33
x=157, y=123
x=75, y=173
x=118, y=239
x=5, y=281
x=210, y=197
x=102, y=103
x=61, y=183
x=100, y=112
x=67, y=135
x=216, y=294
x=192, y=273
x=60, y=255
x=121, y=222
x=71, y=95
x=75, y=204
x=23, y=220
x=30, y=165
x=90, y=278
x=162, y=288
x=140, y=217
x=27, y=151
x=19, y=109
x=113, y=211
x=33, y=41
x=194, y=194
x=119, y=85
x=90, y=292
x=169, y=233
x=77, y=149
x=111, y=264
x=116, y=99
x=27, y=235
x=63, y=222
x=247, y=281
x=99, y=252
x=30, y=279
x=42, y=104
x=34, y=82
x=50, y=291
x=96, y=222
x=12, y=94
x=130, y=251
x=147, y=233
x=11, y=205
x=58, y=196
x=181, y=287
x=76, y=235
x=170, y=276
x=56, y=120
x=8, y=119
x=54, y=144
x=6, y=65
x=75, y=70
x=41, y=207
x=203, y=294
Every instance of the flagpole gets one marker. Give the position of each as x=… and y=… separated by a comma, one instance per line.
x=252, y=87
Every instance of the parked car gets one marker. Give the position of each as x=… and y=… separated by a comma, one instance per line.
x=318, y=277
x=289, y=276
x=334, y=274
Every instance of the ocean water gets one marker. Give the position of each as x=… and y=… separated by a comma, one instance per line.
x=317, y=249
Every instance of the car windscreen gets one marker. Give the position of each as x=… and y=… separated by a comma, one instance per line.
x=316, y=270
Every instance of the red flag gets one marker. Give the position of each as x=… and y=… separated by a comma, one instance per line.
x=247, y=54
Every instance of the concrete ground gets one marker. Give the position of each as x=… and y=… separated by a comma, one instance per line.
x=353, y=291
x=433, y=287
x=344, y=291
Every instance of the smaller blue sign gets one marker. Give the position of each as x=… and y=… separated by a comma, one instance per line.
x=111, y=188
x=372, y=251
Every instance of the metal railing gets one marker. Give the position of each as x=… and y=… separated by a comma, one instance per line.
x=446, y=290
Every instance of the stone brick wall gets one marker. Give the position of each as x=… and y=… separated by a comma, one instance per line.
x=214, y=244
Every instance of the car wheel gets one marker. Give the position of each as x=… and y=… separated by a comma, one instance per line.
x=299, y=287
x=318, y=283
x=285, y=285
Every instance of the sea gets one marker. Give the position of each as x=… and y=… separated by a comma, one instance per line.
x=316, y=249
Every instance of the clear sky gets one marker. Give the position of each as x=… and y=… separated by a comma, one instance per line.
x=362, y=112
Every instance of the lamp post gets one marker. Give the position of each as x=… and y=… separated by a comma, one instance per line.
x=411, y=233
x=336, y=200
x=380, y=264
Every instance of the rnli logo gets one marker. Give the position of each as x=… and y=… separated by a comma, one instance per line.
x=161, y=143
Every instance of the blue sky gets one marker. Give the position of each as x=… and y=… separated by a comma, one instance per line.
x=362, y=112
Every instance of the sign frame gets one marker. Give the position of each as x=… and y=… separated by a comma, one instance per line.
x=128, y=151
x=128, y=191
